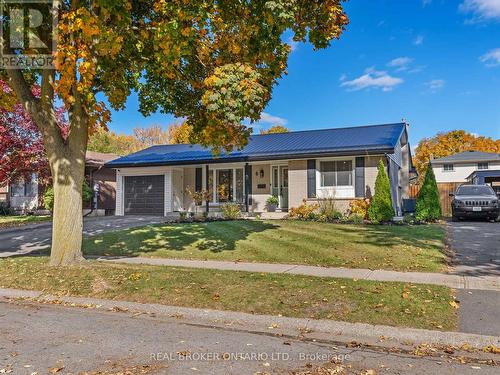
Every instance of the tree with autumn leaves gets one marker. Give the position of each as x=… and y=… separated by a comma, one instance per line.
x=212, y=62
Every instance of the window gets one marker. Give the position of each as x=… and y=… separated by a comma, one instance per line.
x=448, y=167
x=226, y=185
x=336, y=173
x=24, y=188
x=482, y=165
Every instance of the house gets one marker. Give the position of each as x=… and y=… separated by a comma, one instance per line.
x=339, y=163
x=457, y=168
x=102, y=181
x=27, y=194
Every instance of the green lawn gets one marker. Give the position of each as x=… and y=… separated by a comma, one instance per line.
x=389, y=303
x=401, y=248
x=13, y=221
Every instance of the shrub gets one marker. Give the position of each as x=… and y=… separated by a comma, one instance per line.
x=5, y=210
x=304, y=211
x=48, y=197
x=428, y=203
x=231, y=211
x=360, y=207
x=328, y=210
x=356, y=218
x=183, y=216
x=381, y=206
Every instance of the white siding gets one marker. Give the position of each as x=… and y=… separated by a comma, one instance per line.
x=119, y=194
x=168, y=192
x=460, y=173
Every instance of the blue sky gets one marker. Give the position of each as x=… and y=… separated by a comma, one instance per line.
x=435, y=63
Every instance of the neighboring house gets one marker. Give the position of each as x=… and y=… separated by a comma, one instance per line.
x=26, y=195
x=102, y=181
x=458, y=167
x=306, y=165
x=4, y=194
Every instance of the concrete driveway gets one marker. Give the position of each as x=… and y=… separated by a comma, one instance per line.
x=477, y=248
x=36, y=238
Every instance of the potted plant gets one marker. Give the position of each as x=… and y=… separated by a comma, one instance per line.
x=271, y=203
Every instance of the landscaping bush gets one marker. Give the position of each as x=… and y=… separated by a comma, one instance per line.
x=428, y=203
x=381, y=205
x=304, y=211
x=328, y=210
x=360, y=207
x=48, y=197
x=5, y=210
x=356, y=218
x=231, y=211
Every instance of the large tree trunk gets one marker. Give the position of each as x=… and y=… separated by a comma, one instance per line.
x=66, y=159
x=67, y=221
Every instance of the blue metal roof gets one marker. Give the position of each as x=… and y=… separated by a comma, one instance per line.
x=301, y=144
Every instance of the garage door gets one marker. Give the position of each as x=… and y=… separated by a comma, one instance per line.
x=144, y=195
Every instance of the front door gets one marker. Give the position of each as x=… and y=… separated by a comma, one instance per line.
x=280, y=185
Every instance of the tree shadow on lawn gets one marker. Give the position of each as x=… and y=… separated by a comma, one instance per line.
x=423, y=236
x=215, y=237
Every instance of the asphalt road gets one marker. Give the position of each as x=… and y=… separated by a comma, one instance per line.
x=36, y=238
x=37, y=338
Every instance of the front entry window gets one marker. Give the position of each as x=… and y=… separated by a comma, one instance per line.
x=227, y=185
x=224, y=185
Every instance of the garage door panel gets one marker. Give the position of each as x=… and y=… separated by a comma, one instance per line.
x=144, y=195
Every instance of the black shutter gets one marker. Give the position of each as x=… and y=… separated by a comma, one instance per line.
x=198, y=179
x=359, y=177
x=311, y=178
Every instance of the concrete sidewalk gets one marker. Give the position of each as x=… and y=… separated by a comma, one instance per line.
x=452, y=281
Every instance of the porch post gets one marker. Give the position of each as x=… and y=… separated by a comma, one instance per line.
x=206, y=185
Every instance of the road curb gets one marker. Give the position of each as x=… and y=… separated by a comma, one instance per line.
x=326, y=330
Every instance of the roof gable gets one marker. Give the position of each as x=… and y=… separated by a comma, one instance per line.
x=352, y=140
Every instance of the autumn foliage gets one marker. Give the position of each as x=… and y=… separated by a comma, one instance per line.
x=275, y=129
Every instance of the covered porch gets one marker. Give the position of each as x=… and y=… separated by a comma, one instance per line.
x=163, y=190
x=247, y=184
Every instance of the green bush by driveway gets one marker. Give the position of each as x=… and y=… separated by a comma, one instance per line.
x=401, y=248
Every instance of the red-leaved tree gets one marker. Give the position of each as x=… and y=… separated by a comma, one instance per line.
x=21, y=146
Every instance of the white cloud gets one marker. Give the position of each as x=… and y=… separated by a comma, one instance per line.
x=343, y=77
x=435, y=84
x=481, y=9
x=266, y=118
x=426, y=2
x=400, y=63
x=373, y=79
x=492, y=58
x=419, y=40
x=292, y=43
